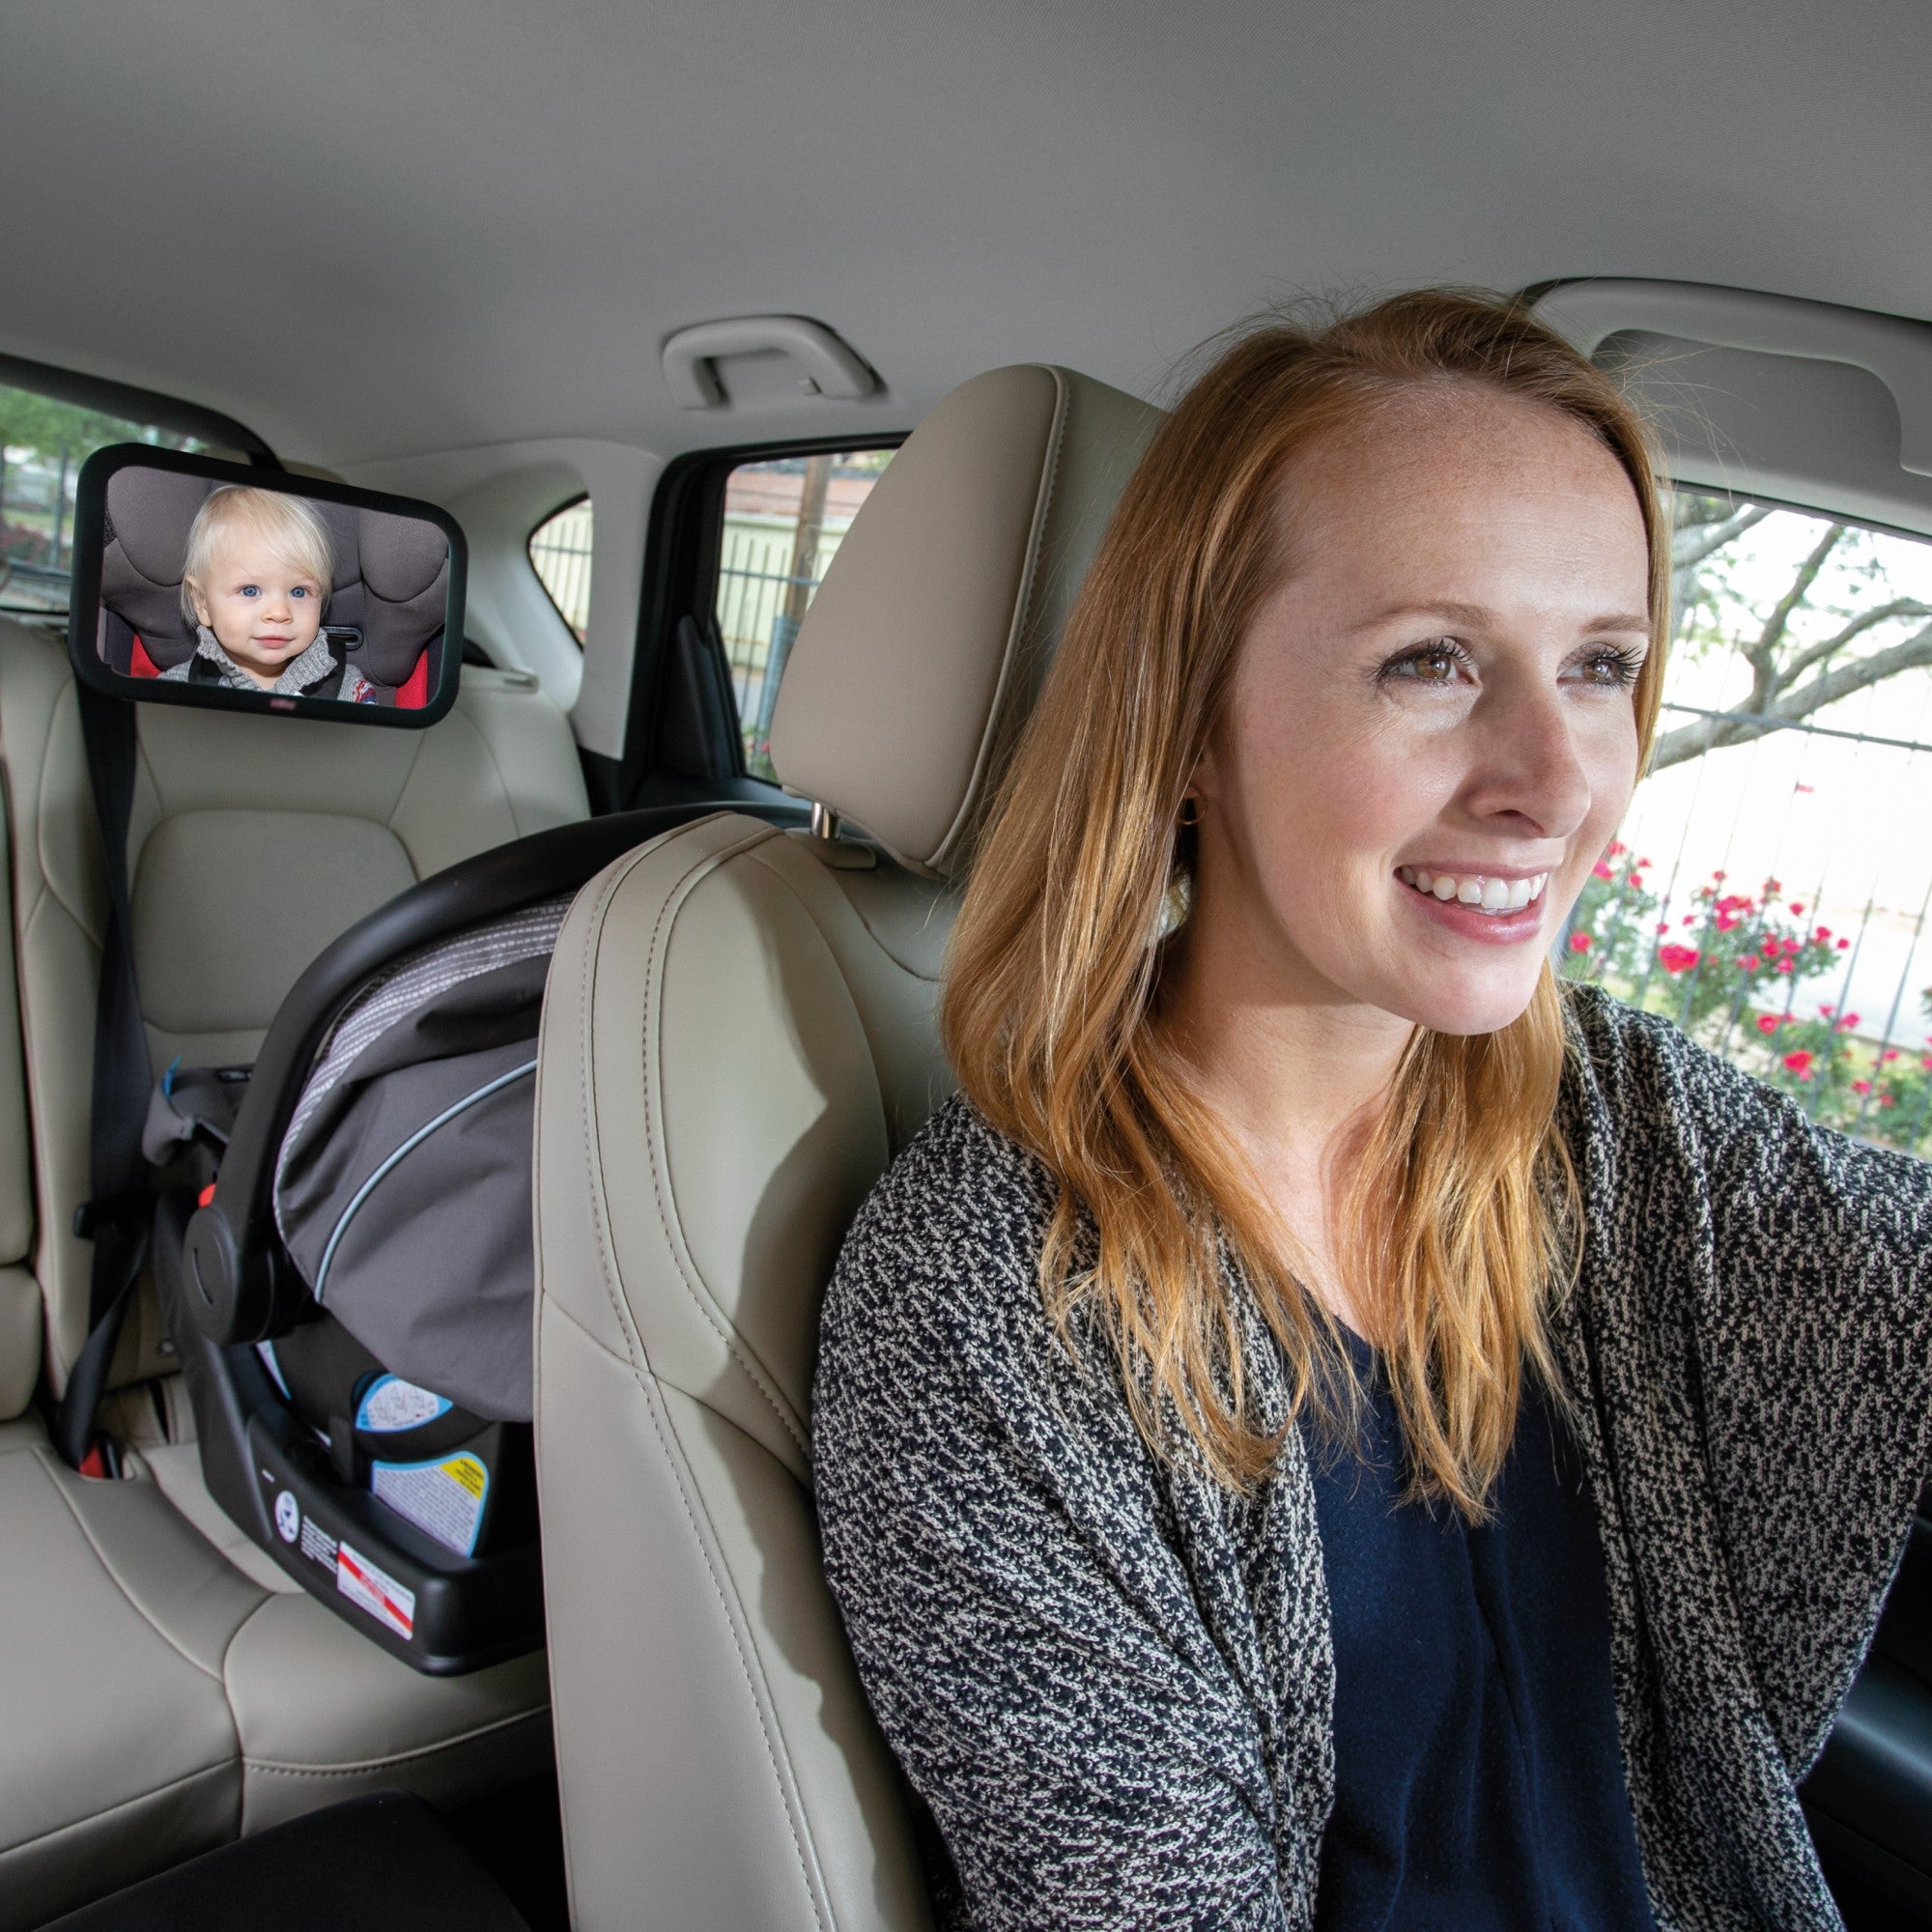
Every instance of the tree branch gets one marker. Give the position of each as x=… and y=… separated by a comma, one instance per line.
x=1762, y=652
x=1711, y=734
x=1865, y=620
x=1706, y=539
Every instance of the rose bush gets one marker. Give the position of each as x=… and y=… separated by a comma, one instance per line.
x=1729, y=971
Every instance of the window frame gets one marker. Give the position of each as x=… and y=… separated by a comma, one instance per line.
x=224, y=435
x=683, y=548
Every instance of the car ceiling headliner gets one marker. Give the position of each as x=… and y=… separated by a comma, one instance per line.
x=370, y=229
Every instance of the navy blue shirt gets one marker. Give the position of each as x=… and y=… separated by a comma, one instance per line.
x=1478, y=1778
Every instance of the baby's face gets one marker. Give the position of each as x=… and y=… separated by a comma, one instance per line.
x=264, y=612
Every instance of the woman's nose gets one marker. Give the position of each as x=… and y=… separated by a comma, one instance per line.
x=1530, y=765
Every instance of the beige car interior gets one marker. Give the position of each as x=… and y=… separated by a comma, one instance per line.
x=169, y=1687
x=777, y=990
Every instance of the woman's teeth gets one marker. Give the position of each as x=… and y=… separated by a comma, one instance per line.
x=1486, y=894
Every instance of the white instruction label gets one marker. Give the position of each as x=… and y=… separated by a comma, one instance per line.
x=375, y=1590
x=443, y=1498
x=317, y=1543
x=392, y=1404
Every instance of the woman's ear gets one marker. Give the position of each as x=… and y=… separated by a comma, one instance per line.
x=1203, y=780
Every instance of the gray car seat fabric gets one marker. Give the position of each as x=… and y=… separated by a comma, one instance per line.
x=391, y=578
x=166, y=1687
x=738, y=1035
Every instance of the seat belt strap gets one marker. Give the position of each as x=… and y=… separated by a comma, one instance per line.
x=118, y=1215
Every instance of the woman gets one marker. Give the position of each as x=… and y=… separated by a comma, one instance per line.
x=1328, y=1429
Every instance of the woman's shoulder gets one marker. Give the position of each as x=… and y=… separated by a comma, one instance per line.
x=1640, y=1094
x=1624, y=1061
x=957, y=1223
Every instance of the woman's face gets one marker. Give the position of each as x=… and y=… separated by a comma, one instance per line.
x=1430, y=736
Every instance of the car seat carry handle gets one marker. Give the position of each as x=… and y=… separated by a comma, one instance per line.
x=241, y=1286
x=116, y=1216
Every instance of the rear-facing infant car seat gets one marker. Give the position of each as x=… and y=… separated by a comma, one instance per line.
x=385, y=607
x=352, y=1294
x=738, y=1035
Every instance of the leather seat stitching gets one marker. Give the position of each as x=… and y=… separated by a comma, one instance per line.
x=645, y=1380
x=42, y=1456
x=773, y=1746
x=746, y=1362
x=187, y=1777
x=361, y=1767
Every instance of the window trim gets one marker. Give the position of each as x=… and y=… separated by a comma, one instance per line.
x=137, y=405
x=683, y=544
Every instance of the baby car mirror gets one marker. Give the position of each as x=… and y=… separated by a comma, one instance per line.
x=198, y=581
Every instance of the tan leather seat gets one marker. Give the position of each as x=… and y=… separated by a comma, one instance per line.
x=165, y=1686
x=738, y=1035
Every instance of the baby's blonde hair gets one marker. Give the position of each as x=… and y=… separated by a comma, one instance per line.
x=293, y=526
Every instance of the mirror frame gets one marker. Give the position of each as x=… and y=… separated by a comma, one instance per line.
x=90, y=526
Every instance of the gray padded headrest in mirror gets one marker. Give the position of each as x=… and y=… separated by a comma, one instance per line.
x=924, y=650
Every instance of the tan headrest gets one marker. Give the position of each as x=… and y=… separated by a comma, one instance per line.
x=924, y=647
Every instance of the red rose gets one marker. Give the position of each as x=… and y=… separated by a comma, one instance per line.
x=1800, y=1063
x=1861, y=1086
x=1767, y=1023
x=1579, y=942
x=1600, y=871
x=1677, y=959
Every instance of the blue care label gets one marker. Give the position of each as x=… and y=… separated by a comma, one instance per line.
x=390, y=1405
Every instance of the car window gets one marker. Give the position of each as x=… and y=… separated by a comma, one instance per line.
x=1770, y=888
x=559, y=550
x=44, y=442
x=785, y=518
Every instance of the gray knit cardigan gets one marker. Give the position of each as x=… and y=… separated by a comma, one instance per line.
x=1113, y=1682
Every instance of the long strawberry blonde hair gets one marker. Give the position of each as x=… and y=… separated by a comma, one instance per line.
x=1461, y=1217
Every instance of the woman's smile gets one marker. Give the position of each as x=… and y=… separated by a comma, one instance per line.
x=1499, y=906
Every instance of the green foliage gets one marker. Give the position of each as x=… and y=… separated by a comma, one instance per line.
x=46, y=427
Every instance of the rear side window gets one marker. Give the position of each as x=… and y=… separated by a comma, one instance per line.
x=785, y=518
x=1771, y=887
x=43, y=443
x=559, y=548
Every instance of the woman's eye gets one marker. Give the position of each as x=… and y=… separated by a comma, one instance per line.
x=1432, y=664
x=1609, y=667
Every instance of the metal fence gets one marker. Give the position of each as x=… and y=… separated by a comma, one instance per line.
x=754, y=585
x=1736, y=906
x=560, y=555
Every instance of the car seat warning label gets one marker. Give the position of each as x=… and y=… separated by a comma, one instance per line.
x=375, y=1590
x=443, y=1497
x=317, y=1543
x=390, y=1404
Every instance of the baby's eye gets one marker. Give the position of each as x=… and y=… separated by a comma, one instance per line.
x=300, y=590
x=251, y=591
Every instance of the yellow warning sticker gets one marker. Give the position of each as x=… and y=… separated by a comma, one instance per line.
x=470, y=1472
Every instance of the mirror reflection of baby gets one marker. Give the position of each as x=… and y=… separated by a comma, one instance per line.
x=254, y=585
